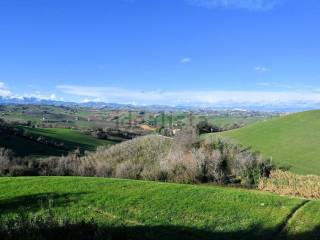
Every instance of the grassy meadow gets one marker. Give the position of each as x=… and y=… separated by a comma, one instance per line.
x=72, y=139
x=291, y=141
x=150, y=210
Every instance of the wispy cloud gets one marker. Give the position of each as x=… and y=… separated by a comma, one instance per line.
x=40, y=96
x=282, y=95
x=4, y=91
x=288, y=86
x=185, y=60
x=261, y=69
x=119, y=95
x=7, y=93
x=258, y=5
x=279, y=85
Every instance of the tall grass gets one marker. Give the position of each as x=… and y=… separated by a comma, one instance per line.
x=287, y=183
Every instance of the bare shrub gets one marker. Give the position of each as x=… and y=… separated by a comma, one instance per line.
x=21, y=170
x=131, y=158
x=12, y=166
x=239, y=162
x=5, y=158
x=179, y=166
x=183, y=159
x=208, y=162
x=156, y=172
x=186, y=139
x=128, y=169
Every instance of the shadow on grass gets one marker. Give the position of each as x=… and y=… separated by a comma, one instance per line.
x=86, y=231
x=35, y=202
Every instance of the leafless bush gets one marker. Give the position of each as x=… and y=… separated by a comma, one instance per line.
x=237, y=162
x=184, y=159
x=5, y=157
x=208, y=164
x=187, y=138
x=129, y=169
x=132, y=157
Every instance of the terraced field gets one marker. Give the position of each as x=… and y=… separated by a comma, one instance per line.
x=150, y=210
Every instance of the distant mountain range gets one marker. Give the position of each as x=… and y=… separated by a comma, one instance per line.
x=301, y=106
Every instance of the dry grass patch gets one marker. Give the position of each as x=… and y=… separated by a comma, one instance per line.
x=287, y=183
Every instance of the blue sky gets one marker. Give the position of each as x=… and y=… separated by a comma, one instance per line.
x=161, y=51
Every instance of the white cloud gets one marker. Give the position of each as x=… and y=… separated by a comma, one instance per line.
x=53, y=96
x=262, y=69
x=119, y=95
x=4, y=91
x=244, y=4
x=287, y=86
x=185, y=60
x=37, y=95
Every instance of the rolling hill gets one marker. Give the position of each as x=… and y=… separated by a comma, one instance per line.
x=152, y=210
x=291, y=141
x=71, y=139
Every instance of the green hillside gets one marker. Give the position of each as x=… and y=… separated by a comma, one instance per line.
x=151, y=210
x=71, y=139
x=292, y=141
x=24, y=147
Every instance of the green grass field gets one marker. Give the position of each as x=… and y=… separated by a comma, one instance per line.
x=151, y=210
x=291, y=141
x=72, y=139
x=219, y=121
x=25, y=147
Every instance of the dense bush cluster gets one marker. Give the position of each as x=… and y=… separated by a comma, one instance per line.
x=15, y=166
x=116, y=133
x=184, y=159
